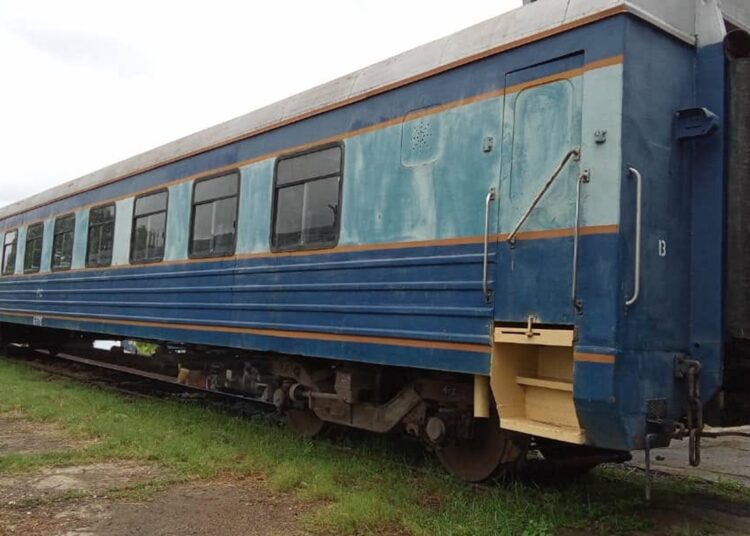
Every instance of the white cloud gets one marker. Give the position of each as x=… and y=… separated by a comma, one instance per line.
x=86, y=83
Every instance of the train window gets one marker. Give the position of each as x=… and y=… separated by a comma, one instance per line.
x=149, y=227
x=214, y=216
x=101, y=236
x=9, y=252
x=62, y=242
x=32, y=257
x=306, y=199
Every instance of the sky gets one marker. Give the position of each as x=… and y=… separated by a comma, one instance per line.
x=87, y=83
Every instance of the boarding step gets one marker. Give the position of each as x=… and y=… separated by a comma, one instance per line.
x=532, y=381
x=546, y=383
x=567, y=434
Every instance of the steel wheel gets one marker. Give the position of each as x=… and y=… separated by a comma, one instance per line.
x=491, y=452
x=305, y=423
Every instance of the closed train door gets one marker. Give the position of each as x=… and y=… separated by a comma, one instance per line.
x=540, y=169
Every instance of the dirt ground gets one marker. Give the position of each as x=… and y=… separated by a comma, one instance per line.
x=75, y=501
x=202, y=508
x=107, y=498
x=725, y=458
x=92, y=500
x=24, y=437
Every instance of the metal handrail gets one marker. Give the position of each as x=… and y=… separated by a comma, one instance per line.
x=638, y=211
x=487, y=201
x=582, y=179
x=575, y=152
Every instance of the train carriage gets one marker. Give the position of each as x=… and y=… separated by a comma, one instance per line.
x=518, y=233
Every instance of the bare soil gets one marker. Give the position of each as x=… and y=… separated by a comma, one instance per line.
x=56, y=482
x=74, y=501
x=724, y=458
x=206, y=508
x=18, y=435
x=82, y=500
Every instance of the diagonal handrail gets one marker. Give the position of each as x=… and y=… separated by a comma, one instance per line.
x=574, y=152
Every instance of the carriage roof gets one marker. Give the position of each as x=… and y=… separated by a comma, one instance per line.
x=515, y=28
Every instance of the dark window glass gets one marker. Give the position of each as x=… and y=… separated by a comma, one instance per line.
x=150, y=203
x=149, y=228
x=62, y=243
x=306, y=198
x=32, y=257
x=101, y=236
x=217, y=188
x=214, y=221
x=9, y=252
x=309, y=166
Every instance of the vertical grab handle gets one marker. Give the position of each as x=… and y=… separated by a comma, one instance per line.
x=582, y=179
x=485, y=260
x=638, y=210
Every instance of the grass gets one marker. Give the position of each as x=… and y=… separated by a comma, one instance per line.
x=364, y=488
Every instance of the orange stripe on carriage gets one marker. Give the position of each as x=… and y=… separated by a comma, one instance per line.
x=306, y=335
x=596, y=358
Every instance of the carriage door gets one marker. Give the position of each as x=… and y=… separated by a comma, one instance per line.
x=541, y=144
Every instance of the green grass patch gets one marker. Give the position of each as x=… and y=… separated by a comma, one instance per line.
x=361, y=484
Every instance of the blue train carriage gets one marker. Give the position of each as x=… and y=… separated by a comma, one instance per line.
x=515, y=236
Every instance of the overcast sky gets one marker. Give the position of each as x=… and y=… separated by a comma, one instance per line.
x=86, y=83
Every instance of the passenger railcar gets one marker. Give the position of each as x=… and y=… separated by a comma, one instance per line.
x=516, y=233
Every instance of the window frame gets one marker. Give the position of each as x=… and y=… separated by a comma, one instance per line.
x=88, y=232
x=274, y=204
x=134, y=218
x=193, y=204
x=52, y=266
x=15, y=257
x=32, y=270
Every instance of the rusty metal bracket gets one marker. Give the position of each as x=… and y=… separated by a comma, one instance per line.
x=689, y=370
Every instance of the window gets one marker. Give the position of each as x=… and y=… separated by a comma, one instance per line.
x=32, y=257
x=101, y=236
x=306, y=199
x=9, y=252
x=149, y=228
x=214, y=217
x=62, y=242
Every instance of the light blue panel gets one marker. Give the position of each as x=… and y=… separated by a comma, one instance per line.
x=21, y=250
x=390, y=194
x=80, y=238
x=600, y=92
x=178, y=221
x=49, y=234
x=602, y=110
x=123, y=229
x=254, y=226
x=541, y=124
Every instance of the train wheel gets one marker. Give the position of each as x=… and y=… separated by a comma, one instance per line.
x=490, y=452
x=305, y=423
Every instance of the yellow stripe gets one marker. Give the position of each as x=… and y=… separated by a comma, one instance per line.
x=307, y=335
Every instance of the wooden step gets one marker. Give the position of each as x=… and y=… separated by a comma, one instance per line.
x=567, y=434
x=546, y=383
x=535, y=336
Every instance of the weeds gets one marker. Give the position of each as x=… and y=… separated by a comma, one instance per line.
x=364, y=484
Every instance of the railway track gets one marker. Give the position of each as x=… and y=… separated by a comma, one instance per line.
x=399, y=451
x=136, y=383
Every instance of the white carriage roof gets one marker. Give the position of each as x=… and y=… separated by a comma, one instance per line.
x=531, y=22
